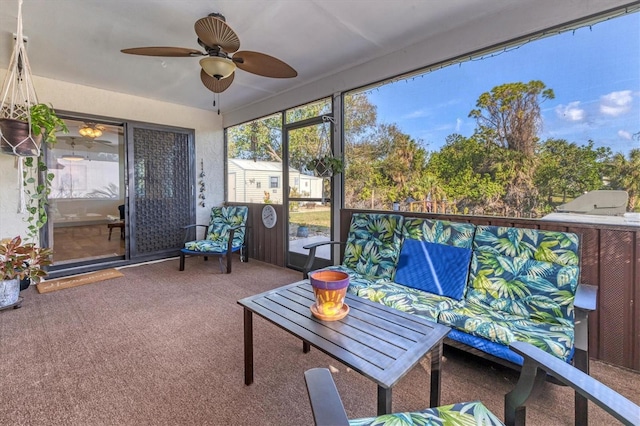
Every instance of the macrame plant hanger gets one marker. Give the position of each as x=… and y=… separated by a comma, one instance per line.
x=324, y=149
x=18, y=95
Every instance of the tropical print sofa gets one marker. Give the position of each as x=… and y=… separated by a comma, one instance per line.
x=492, y=285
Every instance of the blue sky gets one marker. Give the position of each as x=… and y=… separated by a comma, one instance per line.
x=594, y=72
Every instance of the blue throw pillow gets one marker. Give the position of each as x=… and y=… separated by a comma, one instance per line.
x=437, y=268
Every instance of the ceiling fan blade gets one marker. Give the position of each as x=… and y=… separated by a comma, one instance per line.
x=215, y=32
x=262, y=64
x=177, y=52
x=215, y=85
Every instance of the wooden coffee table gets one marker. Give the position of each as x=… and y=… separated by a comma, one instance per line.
x=378, y=342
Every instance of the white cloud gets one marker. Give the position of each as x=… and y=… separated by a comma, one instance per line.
x=571, y=112
x=616, y=103
x=458, y=124
x=624, y=134
x=419, y=113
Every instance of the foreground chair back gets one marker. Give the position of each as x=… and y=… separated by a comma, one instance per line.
x=225, y=234
x=327, y=407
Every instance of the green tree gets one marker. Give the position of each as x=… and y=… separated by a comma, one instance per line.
x=258, y=140
x=567, y=170
x=625, y=175
x=509, y=117
x=465, y=172
x=510, y=113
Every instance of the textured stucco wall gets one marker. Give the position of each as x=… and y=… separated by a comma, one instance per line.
x=88, y=100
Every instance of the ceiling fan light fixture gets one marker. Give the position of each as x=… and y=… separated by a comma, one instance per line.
x=90, y=132
x=73, y=157
x=217, y=66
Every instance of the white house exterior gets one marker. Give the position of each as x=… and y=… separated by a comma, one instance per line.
x=251, y=181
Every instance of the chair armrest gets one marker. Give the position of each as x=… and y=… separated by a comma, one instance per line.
x=326, y=404
x=586, y=297
x=232, y=232
x=537, y=362
x=312, y=255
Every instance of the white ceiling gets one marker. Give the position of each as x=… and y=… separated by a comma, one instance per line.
x=79, y=41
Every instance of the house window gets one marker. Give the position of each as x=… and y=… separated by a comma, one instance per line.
x=515, y=132
x=274, y=182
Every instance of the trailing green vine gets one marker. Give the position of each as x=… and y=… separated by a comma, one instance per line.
x=37, y=187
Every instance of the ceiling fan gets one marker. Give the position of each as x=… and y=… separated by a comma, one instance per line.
x=218, y=67
x=91, y=130
x=88, y=142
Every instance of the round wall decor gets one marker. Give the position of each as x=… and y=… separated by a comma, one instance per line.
x=269, y=216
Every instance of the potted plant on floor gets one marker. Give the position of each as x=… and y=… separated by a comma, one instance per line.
x=19, y=261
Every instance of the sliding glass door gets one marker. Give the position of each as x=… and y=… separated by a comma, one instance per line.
x=87, y=194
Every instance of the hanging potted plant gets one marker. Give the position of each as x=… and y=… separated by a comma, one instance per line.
x=19, y=261
x=326, y=165
x=23, y=136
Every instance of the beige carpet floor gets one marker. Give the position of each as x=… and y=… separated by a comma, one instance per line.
x=163, y=347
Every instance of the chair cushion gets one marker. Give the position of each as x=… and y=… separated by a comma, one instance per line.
x=547, y=246
x=435, y=268
x=439, y=231
x=373, y=244
x=464, y=413
x=504, y=328
x=223, y=218
x=407, y=299
x=541, y=291
x=209, y=246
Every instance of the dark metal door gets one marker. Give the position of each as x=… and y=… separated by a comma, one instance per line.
x=161, y=189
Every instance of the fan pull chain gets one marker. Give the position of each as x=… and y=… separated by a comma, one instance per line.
x=218, y=102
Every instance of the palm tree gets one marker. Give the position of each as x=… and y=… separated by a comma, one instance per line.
x=626, y=175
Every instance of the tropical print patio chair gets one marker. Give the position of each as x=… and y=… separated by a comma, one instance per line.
x=328, y=410
x=225, y=234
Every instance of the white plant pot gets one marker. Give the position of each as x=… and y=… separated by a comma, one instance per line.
x=9, y=292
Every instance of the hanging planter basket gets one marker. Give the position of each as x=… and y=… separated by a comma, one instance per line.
x=17, y=139
x=18, y=96
x=325, y=164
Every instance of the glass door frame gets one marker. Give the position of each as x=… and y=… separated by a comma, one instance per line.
x=46, y=232
x=286, y=199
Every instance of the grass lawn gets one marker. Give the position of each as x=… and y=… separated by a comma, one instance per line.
x=320, y=216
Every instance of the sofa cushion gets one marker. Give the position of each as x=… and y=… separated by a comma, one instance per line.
x=373, y=244
x=439, y=231
x=547, y=246
x=541, y=291
x=496, y=349
x=435, y=268
x=464, y=413
x=503, y=328
x=407, y=299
